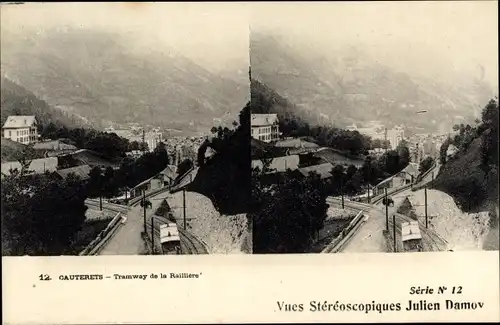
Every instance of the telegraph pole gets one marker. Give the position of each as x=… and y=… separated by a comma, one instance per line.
x=152, y=235
x=342, y=191
x=394, y=231
x=100, y=202
x=369, y=177
x=143, y=140
x=386, y=211
x=426, y=218
x=385, y=142
x=184, y=206
x=144, y=208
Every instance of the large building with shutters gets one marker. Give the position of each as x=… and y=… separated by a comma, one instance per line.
x=22, y=129
x=265, y=127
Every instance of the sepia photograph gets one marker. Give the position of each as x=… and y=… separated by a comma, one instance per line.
x=379, y=136
x=125, y=129
x=251, y=142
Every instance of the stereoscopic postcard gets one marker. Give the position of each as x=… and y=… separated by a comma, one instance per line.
x=249, y=162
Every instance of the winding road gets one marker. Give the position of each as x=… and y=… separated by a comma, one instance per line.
x=369, y=237
x=128, y=240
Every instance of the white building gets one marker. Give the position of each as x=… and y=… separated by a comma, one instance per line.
x=151, y=138
x=265, y=127
x=21, y=128
x=395, y=136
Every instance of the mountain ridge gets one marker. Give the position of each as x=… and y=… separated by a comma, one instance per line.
x=101, y=77
x=349, y=86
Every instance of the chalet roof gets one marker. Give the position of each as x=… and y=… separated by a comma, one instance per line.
x=410, y=230
x=411, y=169
x=143, y=182
x=264, y=119
x=89, y=157
x=296, y=143
x=170, y=171
x=19, y=121
x=280, y=164
x=385, y=181
x=38, y=166
x=54, y=145
x=323, y=170
x=81, y=171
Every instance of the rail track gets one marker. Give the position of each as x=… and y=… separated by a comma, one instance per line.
x=190, y=245
x=432, y=241
x=108, y=206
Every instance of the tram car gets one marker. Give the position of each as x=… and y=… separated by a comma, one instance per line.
x=411, y=237
x=170, y=239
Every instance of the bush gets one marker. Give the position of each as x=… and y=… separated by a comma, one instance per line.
x=425, y=165
x=41, y=215
x=289, y=217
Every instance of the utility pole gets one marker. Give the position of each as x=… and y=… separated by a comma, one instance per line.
x=342, y=191
x=386, y=211
x=143, y=140
x=152, y=235
x=417, y=153
x=144, y=208
x=184, y=206
x=369, y=176
x=394, y=231
x=100, y=202
x=425, y=194
x=385, y=142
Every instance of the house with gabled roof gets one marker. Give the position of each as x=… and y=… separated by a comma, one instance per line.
x=265, y=127
x=21, y=128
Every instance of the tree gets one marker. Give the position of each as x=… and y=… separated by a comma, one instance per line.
x=288, y=220
x=95, y=183
x=404, y=154
x=338, y=179
x=41, y=215
x=425, y=165
x=489, y=137
x=200, y=157
x=109, y=183
x=25, y=157
x=369, y=172
x=266, y=163
x=184, y=166
x=134, y=145
x=443, y=150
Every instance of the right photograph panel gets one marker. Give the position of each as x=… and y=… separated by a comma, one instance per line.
x=374, y=127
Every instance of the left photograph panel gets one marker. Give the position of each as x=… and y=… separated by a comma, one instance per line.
x=125, y=129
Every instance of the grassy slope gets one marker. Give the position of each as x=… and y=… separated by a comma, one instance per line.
x=11, y=150
x=17, y=100
x=464, y=179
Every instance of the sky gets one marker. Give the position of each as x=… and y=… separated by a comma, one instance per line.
x=420, y=35
x=424, y=36
x=215, y=35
